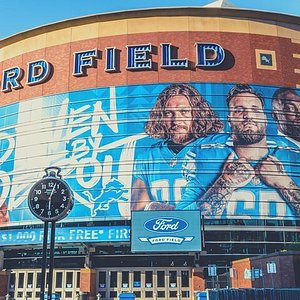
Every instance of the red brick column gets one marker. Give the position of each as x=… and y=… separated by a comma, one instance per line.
x=238, y=280
x=198, y=279
x=88, y=282
x=4, y=276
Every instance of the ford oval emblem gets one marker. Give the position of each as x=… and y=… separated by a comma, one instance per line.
x=165, y=225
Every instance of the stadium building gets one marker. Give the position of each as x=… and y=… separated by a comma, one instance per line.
x=83, y=95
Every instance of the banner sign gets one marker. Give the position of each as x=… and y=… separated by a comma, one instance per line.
x=166, y=231
x=139, y=147
x=66, y=235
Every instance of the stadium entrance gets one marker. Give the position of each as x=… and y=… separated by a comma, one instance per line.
x=145, y=283
x=26, y=284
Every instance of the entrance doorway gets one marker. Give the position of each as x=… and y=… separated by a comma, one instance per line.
x=145, y=283
x=26, y=284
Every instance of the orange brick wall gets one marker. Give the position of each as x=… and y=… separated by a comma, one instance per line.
x=286, y=276
x=88, y=281
x=240, y=67
x=238, y=281
x=198, y=280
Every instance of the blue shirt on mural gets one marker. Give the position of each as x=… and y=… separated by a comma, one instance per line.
x=204, y=165
x=161, y=171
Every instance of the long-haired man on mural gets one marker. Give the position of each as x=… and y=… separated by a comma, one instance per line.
x=179, y=117
x=286, y=112
x=255, y=179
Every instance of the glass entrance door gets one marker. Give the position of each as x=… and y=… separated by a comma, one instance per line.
x=155, y=283
x=26, y=284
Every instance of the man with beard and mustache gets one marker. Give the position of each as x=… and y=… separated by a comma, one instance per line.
x=180, y=117
x=286, y=112
x=253, y=181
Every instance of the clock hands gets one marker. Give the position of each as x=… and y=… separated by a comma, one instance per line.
x=50, y=196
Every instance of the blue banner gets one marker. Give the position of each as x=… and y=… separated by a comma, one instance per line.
x=66, y=235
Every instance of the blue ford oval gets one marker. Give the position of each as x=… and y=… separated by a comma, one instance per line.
x=165, y=225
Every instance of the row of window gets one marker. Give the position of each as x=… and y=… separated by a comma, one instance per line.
x=207, y=222
x=252, y=222
x=30, y=279
x=148, y=279
x=245, y=250
x=27, y=284
x=253, y=236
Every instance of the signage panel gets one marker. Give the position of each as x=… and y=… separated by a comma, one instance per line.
x=166, y=231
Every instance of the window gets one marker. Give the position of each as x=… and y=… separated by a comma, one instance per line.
x=161, y=294
x=21, y=281
x=137, y=294
x=113, y=294
x=113, y=279
x=160, y=278
x=218, y=236
x=148, y=279
x=184, y=278
x=137, y=279
x=185, y=294
x=125, y=279
x=58, y=280
x=12, y=280
x=173, y=294
x=68, y=294
x=274, y=236
x=102, y=280
x=39, y=280
x=69, y=280
x=173, y=279
x=30, y=280
x=149, y=294
x=291, y=237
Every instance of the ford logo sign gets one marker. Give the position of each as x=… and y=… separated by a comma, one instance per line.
x=166, y=225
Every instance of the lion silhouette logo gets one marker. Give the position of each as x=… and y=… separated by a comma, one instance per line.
x=113, y=191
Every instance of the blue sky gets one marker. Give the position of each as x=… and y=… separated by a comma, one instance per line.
x=20, y=15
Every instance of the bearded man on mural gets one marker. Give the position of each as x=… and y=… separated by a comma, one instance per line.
x=256, y=178
x=179, y=118
x=286, y=112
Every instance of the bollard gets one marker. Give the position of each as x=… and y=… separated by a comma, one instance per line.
x=178, y=296
x=7, y=297
x=154, y=296
x=77, y=296
x=99, y=296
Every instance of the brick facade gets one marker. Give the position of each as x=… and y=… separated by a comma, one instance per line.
x=286, y=276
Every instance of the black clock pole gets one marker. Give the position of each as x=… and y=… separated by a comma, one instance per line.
x=44, y=260
x=51, y=258
x=50, y=199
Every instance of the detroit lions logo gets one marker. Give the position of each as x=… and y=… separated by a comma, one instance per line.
x=113, y=191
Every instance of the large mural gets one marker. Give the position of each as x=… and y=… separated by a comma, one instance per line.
x=229, y=150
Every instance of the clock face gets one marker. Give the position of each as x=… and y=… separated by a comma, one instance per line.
x=50, y=199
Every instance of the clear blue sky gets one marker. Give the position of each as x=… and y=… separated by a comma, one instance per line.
x=21, y=15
